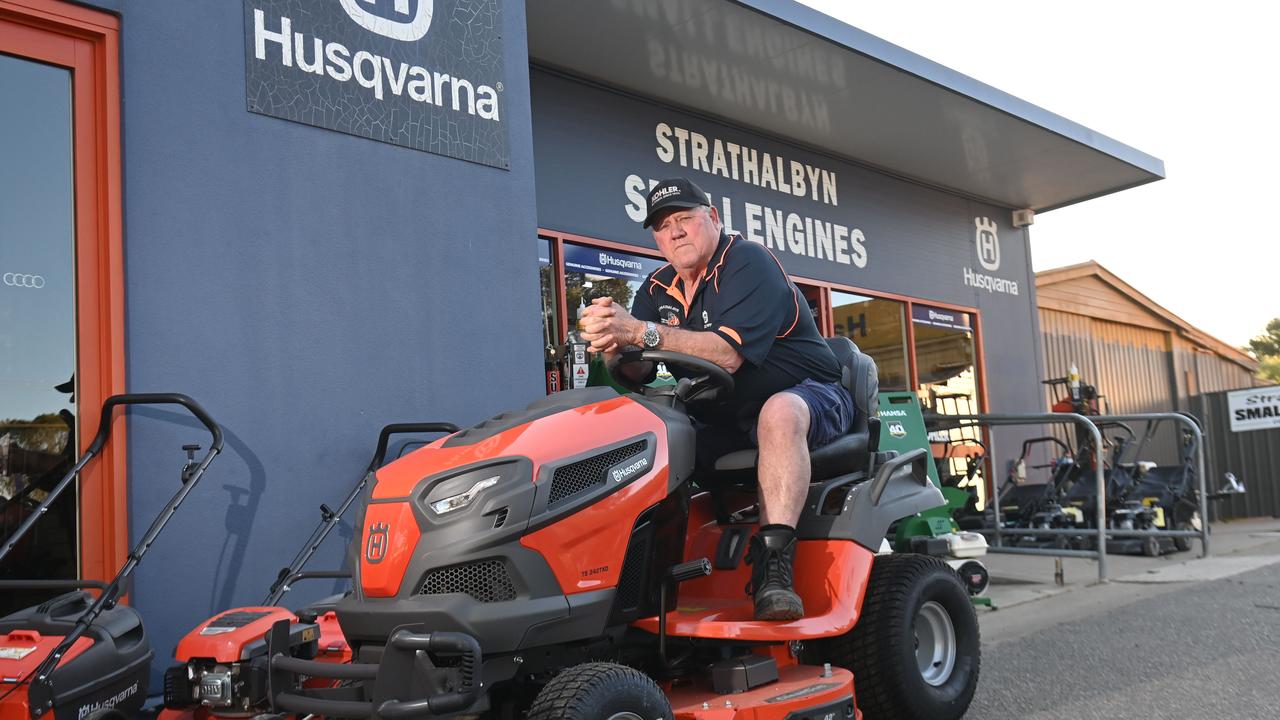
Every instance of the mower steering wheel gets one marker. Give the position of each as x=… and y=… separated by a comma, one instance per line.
x=712, y=376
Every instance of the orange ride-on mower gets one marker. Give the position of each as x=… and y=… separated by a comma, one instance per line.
x=75, y=657
x=567, y=561
x=223, y=660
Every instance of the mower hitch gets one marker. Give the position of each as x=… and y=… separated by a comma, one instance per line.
x=404, y=669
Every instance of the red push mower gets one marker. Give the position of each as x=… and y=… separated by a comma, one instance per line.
x=76, y=657
x=222, y=670
x=569, y=561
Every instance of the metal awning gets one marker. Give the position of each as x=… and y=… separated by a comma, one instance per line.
x=789, y=71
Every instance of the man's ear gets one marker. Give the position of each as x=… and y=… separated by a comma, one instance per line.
x=715, y=215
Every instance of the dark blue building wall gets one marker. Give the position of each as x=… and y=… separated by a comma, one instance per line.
x=307, y=287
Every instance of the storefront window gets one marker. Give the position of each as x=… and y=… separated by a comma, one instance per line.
x=37, y=320
x=947, y=371
x=590, y=273
x=877, y=327
x=550, y=317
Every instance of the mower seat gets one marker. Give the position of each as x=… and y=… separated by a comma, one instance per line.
x=843, y=455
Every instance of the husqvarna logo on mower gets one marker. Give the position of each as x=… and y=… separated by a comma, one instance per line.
x=375, y=545
x=406, y=20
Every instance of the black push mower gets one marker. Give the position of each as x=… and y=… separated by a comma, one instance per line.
x=75, y=656
x=569, y=561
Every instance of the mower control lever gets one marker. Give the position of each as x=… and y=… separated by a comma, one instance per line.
x=690, y=570
x=189, y=469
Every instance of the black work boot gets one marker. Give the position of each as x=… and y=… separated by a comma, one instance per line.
x=771, y=555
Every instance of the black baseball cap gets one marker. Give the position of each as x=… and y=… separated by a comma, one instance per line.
x=674, y=193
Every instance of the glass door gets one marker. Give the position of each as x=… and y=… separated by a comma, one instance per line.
x=37, y=319
x=946, y=370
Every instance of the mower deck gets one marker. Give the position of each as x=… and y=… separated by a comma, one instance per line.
x=799, y=687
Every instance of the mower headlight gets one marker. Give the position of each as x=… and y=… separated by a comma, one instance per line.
x=463, y=499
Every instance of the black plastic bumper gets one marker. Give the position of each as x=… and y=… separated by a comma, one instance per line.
x=406, y=683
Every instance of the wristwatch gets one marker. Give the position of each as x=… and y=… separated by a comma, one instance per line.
x=651, y=338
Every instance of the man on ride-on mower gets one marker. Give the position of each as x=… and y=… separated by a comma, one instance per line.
x=727, y=300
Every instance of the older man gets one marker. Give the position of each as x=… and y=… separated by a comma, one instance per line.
x=727, y=300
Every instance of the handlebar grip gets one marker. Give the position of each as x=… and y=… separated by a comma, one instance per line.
x=104, y=427
x=384, y=436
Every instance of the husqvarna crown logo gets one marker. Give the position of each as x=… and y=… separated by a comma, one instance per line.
x=406, y=20
x=988, y=243
x=375, y=545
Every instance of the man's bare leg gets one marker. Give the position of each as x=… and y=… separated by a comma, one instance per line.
x=783, y=469
x=783, y=476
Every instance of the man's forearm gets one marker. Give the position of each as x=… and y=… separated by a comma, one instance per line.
x=701, y=343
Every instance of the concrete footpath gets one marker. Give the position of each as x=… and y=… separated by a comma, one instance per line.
x=1027, y=598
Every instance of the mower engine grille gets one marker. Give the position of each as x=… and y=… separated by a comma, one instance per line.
x=574, y=478
x=486, y=581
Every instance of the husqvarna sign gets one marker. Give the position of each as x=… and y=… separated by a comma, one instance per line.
x=425, y=74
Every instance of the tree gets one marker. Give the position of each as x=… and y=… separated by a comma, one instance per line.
x=1266, y=347
x=1267, y=344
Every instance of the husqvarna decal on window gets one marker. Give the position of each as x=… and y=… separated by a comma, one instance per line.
x=425, y=74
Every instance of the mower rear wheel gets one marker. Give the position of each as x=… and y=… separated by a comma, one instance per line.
x=600, y=691
x=914, y=653
x=1183, y=544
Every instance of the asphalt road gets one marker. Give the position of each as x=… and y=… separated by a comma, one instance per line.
x=1191, y=651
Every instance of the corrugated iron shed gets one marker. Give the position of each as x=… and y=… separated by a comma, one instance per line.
x=1142, y=357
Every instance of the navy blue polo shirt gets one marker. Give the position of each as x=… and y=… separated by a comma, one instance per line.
x=746, y=298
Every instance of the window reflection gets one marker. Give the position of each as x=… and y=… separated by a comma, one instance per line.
x=590, y=273
x=878, y=328
x=947, y=372
x=37, y=320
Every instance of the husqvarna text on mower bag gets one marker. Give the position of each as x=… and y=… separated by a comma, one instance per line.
x=74, y=657
x=567, y=561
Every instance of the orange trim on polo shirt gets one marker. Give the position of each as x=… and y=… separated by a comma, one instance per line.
x=731, y=333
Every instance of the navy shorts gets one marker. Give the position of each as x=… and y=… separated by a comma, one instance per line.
x=831, y=414
x=831, y=411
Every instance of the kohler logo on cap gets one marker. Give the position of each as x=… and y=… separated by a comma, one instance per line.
x=406, y=20
x=663, y=193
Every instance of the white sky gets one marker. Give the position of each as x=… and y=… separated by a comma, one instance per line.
x=1195, y=87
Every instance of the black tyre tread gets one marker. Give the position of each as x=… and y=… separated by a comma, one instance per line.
x=568, y=694
x=862, y=650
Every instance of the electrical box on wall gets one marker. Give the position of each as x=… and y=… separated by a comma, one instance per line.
x=1023, y=218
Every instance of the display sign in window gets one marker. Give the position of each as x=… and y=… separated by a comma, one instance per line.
x=591, y=273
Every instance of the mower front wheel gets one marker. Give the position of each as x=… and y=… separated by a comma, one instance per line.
x=914, y=652
x=600, y=691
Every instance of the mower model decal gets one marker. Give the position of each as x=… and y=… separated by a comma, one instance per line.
x=375, y=547
x=15, y=653
x=802, y=692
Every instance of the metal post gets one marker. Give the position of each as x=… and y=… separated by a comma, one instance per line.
x=1100, y=480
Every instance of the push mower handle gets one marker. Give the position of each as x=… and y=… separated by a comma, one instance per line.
x=384, y=437
x=104, y=427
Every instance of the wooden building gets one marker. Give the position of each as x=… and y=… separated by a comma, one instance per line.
x=1139, y=355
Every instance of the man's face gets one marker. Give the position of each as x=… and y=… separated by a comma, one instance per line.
x=687, y=237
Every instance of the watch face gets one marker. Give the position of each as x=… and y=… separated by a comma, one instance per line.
x=651, y=336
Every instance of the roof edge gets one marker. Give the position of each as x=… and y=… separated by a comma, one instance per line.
x=1092, y=268
x=828, y=28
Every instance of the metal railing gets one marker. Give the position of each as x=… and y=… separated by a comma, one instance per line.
x=1089, y=423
